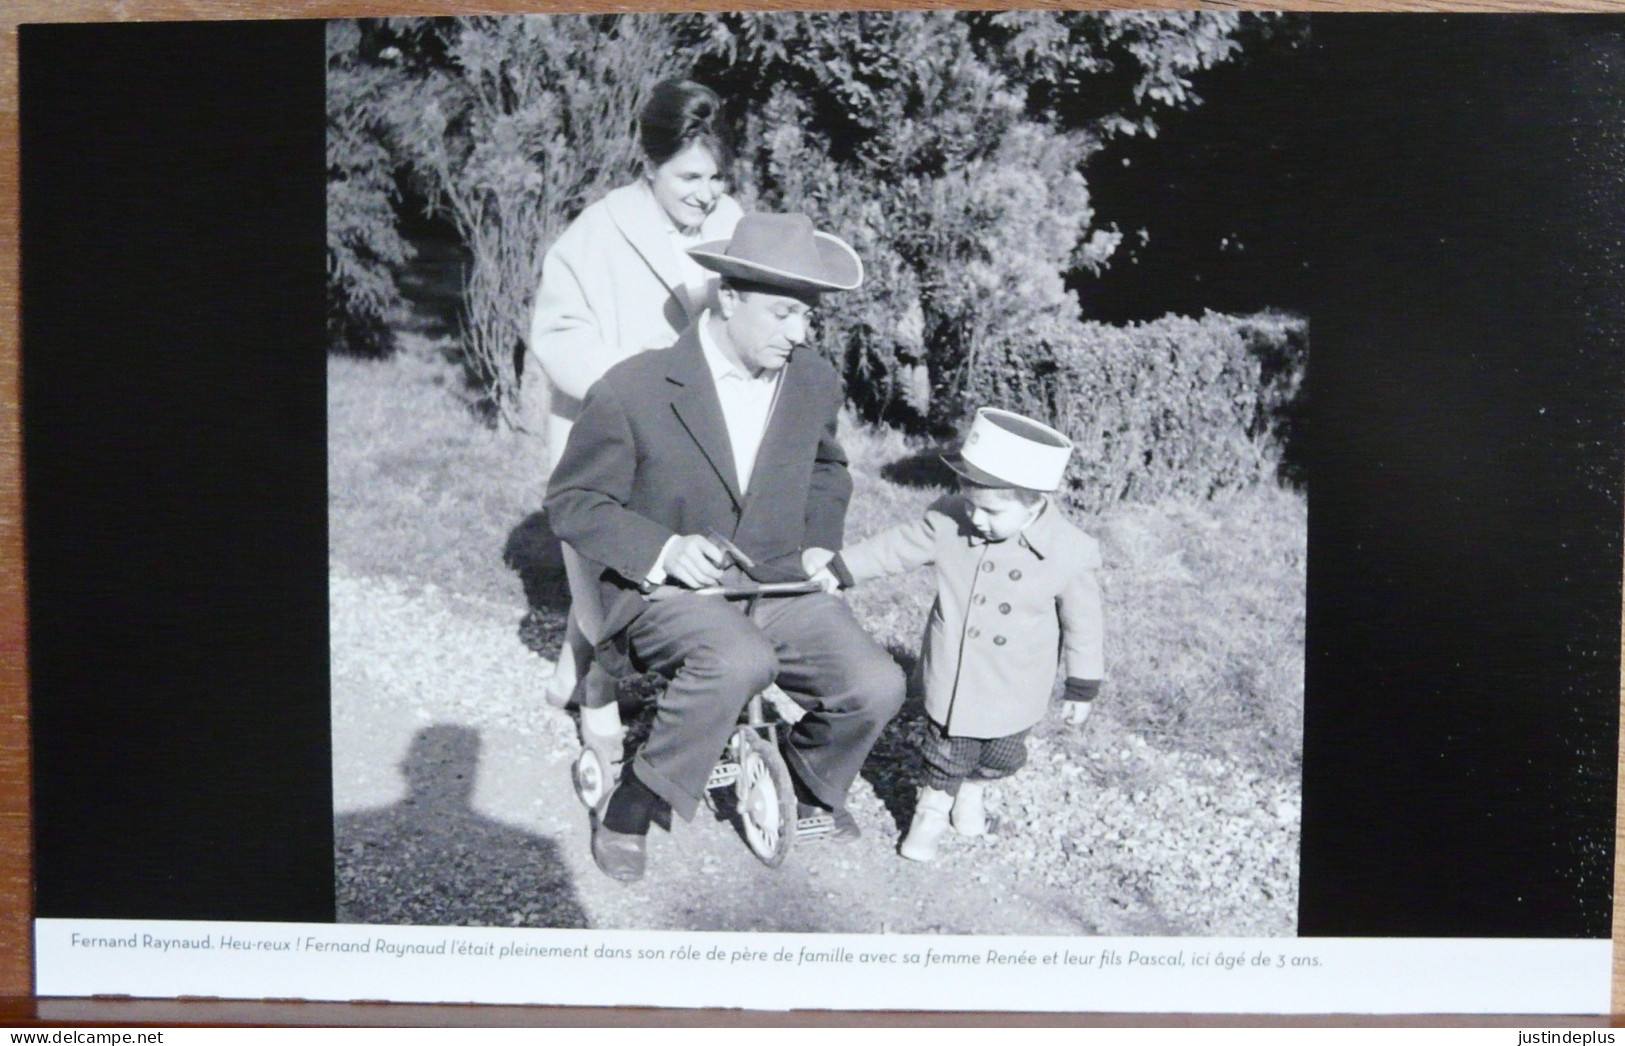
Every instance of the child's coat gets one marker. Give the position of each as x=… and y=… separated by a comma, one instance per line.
x=1006, y=613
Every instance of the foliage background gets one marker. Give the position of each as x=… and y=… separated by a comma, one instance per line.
x=952, y=149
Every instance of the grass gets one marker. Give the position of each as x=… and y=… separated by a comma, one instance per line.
x=1204, y=600
x=418, y=487
x=1206, y=625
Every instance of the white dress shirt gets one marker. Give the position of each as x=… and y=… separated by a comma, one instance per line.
x=746, y=402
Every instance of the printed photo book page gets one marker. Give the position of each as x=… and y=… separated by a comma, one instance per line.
x=1032, y=511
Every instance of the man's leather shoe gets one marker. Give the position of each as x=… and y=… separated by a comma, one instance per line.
x=619, y=855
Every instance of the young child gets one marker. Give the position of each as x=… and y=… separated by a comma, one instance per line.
x=1016, y=594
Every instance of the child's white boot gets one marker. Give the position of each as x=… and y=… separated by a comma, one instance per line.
x=929, y=824
x=969, y=816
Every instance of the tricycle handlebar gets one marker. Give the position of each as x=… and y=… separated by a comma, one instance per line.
x=751, y=591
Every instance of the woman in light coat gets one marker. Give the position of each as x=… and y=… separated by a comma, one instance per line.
x=619, y=281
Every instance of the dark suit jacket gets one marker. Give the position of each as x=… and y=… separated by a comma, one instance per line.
x=649, y=457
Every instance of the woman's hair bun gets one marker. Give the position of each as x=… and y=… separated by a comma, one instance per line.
x=677, y=114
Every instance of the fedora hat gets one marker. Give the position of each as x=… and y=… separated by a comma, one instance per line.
x=783, y=251
x=1006, y=449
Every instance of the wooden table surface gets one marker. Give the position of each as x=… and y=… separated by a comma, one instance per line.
x=16, y=976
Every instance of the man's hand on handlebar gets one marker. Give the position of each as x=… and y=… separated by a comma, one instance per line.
x=695, y=561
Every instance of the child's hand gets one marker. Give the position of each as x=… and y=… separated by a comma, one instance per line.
x=826, y=579
x=1080, y=699
x=1077, y=712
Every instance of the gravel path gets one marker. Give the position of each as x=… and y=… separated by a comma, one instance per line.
x=453, y=806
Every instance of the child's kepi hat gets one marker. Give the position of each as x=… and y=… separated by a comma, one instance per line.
x=1005, y=449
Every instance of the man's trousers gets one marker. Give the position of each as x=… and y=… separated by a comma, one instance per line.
x=716, y=658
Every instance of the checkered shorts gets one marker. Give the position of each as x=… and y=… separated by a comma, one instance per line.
x=950, y=760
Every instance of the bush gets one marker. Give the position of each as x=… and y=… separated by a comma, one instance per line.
x=949, y=149
x=364, y=250
x=1173, y=407
x=519, y=124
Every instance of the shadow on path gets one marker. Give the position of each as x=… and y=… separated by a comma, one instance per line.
x=533, y=552
x=431, y=860
x=922, y=470
x=893, y=766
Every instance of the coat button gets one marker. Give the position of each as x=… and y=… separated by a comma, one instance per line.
x=980, y=599
x=973, y=632
x=1004, y=608
x=998, y=641
x=987, y=568
x=1015, y=575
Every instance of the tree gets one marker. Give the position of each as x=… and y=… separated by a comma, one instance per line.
x=949, y=148
x=521, y=124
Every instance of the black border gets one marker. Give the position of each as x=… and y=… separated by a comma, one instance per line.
x=175, y=462
x=1462, y=681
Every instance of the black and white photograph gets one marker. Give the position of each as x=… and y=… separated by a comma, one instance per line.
x=818, y=472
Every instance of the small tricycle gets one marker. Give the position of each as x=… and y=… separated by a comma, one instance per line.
x=751, y=764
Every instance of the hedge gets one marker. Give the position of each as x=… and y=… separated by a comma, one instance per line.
x=1177, y=406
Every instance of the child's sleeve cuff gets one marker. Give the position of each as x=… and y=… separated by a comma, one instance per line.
x=838, y=567
x=1081, y=689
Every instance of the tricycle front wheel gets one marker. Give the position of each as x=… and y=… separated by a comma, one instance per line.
x=590, y=778
x=766, y=799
